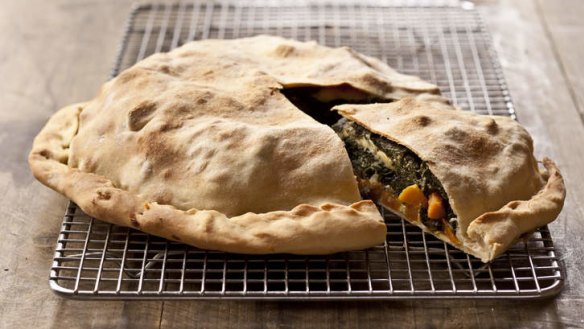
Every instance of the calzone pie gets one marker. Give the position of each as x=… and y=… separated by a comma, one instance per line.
x=228, y=145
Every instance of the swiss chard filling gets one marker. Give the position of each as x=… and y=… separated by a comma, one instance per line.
x=394, y=176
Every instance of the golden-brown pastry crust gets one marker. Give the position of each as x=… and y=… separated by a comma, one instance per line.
x=497, y=230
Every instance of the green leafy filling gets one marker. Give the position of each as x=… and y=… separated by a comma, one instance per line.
x=407, y=168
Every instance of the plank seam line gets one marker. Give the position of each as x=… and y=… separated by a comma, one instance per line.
x=161, y=314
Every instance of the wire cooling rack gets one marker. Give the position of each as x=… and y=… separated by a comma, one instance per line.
x=447, y=45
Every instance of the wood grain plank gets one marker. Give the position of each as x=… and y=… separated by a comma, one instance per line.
x=51, y=54
x=563, y=23
x=367, y=314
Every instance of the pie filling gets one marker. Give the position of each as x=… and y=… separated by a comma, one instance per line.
x=395, y=177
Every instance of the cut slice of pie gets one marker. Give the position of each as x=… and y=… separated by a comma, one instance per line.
x=469, y=179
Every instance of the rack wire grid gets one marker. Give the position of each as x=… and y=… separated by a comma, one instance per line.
x=446, y=45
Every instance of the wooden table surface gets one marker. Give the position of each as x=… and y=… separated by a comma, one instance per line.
x=53, y=53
